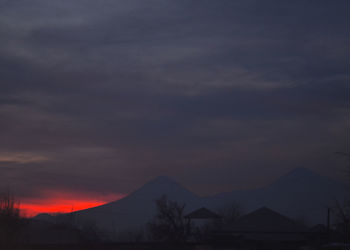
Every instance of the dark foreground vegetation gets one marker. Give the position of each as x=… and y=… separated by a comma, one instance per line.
x=173, y=246
x=171, y=228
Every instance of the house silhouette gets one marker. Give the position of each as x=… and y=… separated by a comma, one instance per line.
x=264, y=227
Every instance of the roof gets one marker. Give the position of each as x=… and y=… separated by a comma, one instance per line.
x=202, y=213
x=265, y=220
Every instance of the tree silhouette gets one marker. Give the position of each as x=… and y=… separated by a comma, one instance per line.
x=169, y=223
x=10, y=221
x=230, y=213
x=342, y=209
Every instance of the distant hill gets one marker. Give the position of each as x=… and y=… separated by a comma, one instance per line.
x=300, y=194
x=44, y=217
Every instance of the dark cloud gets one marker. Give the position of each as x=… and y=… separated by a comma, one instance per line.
x=104, y=96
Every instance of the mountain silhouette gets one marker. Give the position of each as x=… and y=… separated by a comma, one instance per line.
x=138, y=208
x=301, y=194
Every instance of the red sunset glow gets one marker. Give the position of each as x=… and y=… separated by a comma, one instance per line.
x=63, y=202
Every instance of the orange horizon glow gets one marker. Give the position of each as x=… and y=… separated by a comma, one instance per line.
x=64, y=202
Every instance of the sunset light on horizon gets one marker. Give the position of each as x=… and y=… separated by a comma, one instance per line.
x=53, y=202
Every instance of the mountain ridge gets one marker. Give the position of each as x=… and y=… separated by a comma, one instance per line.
x=299, y=193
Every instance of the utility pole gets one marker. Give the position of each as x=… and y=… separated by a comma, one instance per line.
x=328, y=233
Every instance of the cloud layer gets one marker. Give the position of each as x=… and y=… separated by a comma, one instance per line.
x=103, y=96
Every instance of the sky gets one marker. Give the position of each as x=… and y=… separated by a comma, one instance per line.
x=99, y=97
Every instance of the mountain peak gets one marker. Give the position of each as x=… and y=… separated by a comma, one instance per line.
x=162, y=181
x=163, y=178
x=163, y=185
x=301, y=172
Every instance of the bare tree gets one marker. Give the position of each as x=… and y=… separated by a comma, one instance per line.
x=230, y=213
x=342, y=209
x=10, y=221
x=169, y=223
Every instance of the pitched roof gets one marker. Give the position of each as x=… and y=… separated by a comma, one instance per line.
x=202, y=213
x=266, y=220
